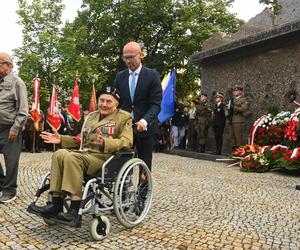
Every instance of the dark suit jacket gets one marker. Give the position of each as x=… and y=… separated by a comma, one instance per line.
x=147, y=96
x=219, y=117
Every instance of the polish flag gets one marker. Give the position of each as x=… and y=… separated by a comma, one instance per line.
x=93, y=100
x=53, y=118
x=35, y=112
x=74, y=107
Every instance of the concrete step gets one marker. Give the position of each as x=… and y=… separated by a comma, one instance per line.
x=203, y=156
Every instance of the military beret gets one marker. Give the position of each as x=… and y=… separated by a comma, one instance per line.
x=219, y=94
x=204, y=94
x=236, y=87
x=108, y=91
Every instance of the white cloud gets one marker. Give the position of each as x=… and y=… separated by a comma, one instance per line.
x=246, y=9
x=11, y=32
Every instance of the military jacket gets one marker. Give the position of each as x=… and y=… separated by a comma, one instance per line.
x=203, y=114
x=240, y=106
x=115, y=128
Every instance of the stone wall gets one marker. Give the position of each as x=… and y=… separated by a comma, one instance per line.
x=267, y=79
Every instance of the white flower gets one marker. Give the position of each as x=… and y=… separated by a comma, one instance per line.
x=263, y=125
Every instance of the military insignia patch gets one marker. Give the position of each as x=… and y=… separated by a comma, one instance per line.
x=110, y=124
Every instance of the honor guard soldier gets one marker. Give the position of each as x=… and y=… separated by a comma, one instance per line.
x=203, y=117
x=237, y=107
x=218, y=122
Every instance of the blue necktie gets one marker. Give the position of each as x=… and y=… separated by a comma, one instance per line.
x=132, y=85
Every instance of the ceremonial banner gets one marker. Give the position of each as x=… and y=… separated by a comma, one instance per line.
x=53, y=118
x=74, y=107
x=168, y=99
x=35, y=112
x=93, y=100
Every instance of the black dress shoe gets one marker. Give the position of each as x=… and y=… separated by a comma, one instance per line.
x=49, y=209
x=71, y=215
x=298, y=187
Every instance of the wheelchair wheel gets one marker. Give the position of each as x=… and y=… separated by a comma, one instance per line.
x=132, y=193
x=100, y=228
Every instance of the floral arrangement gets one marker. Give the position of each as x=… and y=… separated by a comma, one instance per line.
x=255, y=163
x=246, y=150
x=274, y=130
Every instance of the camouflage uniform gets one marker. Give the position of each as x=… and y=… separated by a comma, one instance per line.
x=203, y=118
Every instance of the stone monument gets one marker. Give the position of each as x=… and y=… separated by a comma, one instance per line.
x=263, y=57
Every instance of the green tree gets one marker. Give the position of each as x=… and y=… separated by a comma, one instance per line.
x=169, y=32
x=90, y=47
x=41, y=21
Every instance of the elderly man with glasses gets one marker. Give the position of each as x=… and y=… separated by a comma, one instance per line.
x=13, y=114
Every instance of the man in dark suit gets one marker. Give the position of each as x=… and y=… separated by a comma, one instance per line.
x=141, y=93
x=218, y=122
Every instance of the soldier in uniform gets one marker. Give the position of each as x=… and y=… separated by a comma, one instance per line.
x=203, y=117
x=237, y=106
x=218, y=122
x=104, y=132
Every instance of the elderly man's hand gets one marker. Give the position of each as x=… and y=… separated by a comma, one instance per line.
x=12, y=135
x=54, y=137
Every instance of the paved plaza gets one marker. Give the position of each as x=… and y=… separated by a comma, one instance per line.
x=197, y=205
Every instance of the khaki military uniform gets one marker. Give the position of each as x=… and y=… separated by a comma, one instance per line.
x=68, y=166
x=240, y=105
x=203, y=118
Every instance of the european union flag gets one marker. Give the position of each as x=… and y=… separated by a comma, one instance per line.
x=168, y=99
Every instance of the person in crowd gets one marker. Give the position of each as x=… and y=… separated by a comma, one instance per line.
x=26, y=131
x=106, y=131
x=218, y=122
x=192, y=134
x=178, y=126
x=237, y=106
x=33, y=133
x=63, y=117
x=141, y=94
x=73, y=126
x=203, y=118
x=186, y=126
x=13, y=115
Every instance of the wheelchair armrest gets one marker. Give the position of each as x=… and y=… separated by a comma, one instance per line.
x=125, y=153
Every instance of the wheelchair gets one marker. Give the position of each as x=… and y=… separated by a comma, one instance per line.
x=122, y=187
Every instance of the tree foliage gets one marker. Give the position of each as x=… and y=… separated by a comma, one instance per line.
x=170, y=31
x=274, y=4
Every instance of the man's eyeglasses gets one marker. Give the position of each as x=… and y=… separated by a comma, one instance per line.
x=129, y=58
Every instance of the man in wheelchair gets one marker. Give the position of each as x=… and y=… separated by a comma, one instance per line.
x=104, y=132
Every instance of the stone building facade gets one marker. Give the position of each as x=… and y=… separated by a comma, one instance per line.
x=263, y=57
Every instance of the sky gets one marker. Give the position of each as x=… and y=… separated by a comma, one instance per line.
x=11, y=37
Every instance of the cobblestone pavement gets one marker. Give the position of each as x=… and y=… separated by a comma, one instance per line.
x=197, y=205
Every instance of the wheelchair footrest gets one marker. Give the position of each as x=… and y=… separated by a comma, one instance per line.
x=73, y=223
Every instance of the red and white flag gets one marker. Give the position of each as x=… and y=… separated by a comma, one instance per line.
x=35, y=112
x=93, y=101
x=74, y=107
x=53, y=118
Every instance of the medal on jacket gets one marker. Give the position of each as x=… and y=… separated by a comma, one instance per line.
x=106, y=130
